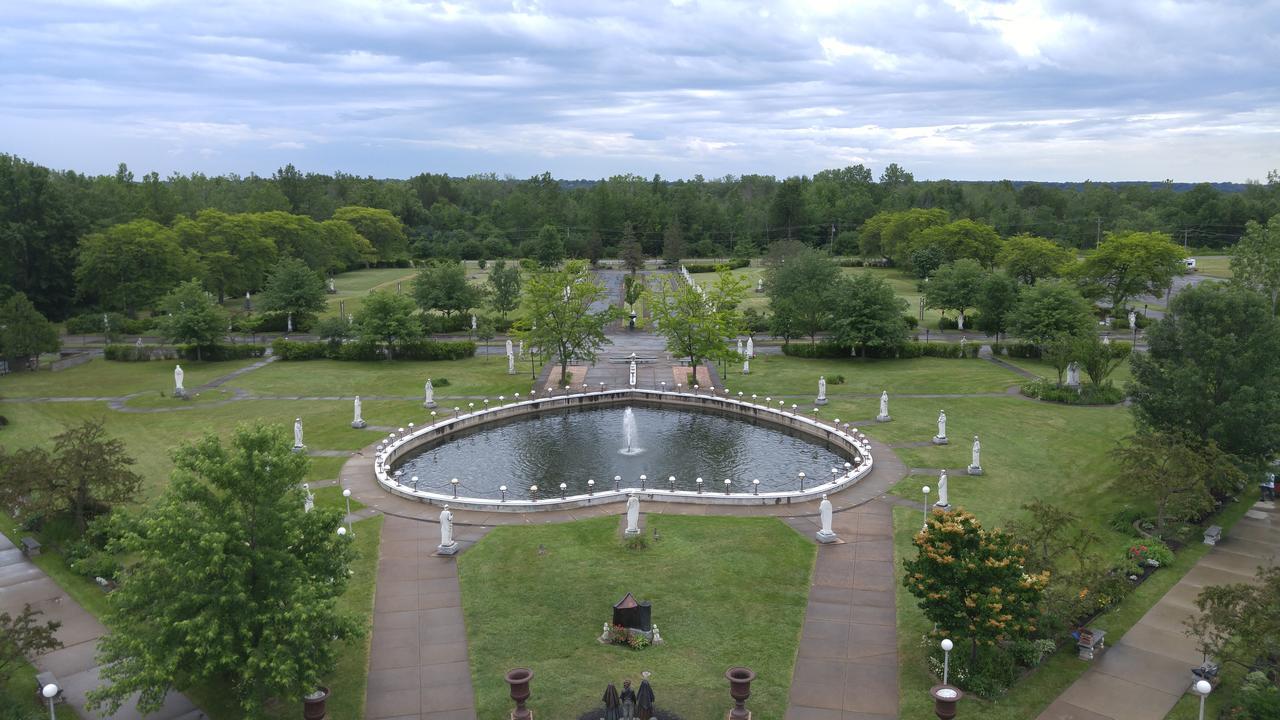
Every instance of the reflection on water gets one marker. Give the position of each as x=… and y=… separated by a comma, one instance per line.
x=571, y=447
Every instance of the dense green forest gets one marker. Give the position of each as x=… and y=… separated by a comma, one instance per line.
x=75, y=242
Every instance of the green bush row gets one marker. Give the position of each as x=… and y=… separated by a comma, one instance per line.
x=828, y=349
x=416, y=350
x=1017, y=350
x=1106, y=394
x=217, y=352
x=709, y=267
x=91, y=324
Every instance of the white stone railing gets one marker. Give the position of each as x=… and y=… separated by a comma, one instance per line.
x=847, y=440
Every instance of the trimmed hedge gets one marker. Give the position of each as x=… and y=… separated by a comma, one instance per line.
x=91, y=324
x=828, y=349
x=1030, y=351
x=363, y=351
x=713, y=267
x=212, y=353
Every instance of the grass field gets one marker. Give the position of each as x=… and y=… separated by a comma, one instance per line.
x=725, y=591
x=784, y=375
x=1216, y=266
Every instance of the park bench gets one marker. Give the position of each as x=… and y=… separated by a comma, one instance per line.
x=1212, y=535
x=30, y=546
x=48, y=678
x=1090, y=641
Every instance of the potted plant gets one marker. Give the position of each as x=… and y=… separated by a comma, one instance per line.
x=313, y=705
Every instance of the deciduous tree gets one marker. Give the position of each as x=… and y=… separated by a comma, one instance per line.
x=22, y=636
x=387, y=318
x=549, y=247
x=802, y=292
x=232, y=582
x=698, y=321
x=383, y=230
x=1129, y=264
x=955, y=286
x=1239, y=623
x=127, y=267
x=443, y=286
x=1164, y=468
x=867, y=313
x=504, y=287
x=191, y=316
x=1030, y=258
x=24, y=332
x=1048, y=310
x=293, y=289
x=1255, y=260
x=558, y=315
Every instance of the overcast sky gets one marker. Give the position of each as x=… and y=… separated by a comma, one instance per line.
x=964, y=89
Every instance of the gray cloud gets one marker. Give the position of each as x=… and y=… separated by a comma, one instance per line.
x=1032, y=89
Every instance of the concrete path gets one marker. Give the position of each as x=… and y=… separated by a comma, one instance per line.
x=418, y=665
x=1143, y=675
x=75, y=664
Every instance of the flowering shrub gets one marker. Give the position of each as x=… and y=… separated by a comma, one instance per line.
x=1153, y=554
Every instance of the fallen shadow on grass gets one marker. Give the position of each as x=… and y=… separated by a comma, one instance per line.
x=658, y=714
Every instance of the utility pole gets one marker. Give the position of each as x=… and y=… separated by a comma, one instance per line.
x=1184, y=239
x=1098, y=239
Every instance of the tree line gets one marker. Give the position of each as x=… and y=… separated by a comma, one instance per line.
x=46, y=216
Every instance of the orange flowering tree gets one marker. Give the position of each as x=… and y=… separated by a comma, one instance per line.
x=972, y=582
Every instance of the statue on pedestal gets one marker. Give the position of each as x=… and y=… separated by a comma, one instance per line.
x=884, y=407
x=358, y=422
x=428, y=395
x=297, y=435
x=448, y=546
x=633, y=516
x=178, y=390
x=941, y=437
x=975, y=467
x=944, y=502
x=825, y=534
x=822, y=390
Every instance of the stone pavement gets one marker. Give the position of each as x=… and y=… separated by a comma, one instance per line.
x=847, y=664
x=418, y=665
x=1143, y=675
x=75, y=664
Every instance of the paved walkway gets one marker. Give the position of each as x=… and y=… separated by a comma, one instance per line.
x=75, y=664
x=1143, y=675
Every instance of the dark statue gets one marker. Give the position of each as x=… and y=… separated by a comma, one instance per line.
x=612, y=705
x=644, y=701
x=628, y=701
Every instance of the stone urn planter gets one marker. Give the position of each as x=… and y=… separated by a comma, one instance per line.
x=518, y=679
x=739, y=689
x=313, y=705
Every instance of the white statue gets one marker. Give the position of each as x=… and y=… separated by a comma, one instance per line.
x=631, y=374
x=510, y=349
x=1133, y=320
x=884, y=407
x=633, y=515
x=751, y=348
x=960, y=321
x=309, y=500
x=297, y=434
x=289, y=323
x=1106, y=339
x=428, y=395
x=943, y=501
x=332, y=289
x=511, y=360
x=822, y=390
x=358, y=421
x=177, y=380
x=746, y=367
x=138, y=343
x=941, y=437
x=760, y=285
x=975, y=467
x=739, y=346
x=825, y=534
x=473, y=323
x=1073, y=374
x=657, y=640
x=448, y=546
x=521, y=351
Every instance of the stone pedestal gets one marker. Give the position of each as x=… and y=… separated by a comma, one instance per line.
x=820, y=401
x=826, y=538
x=450, y=549
x=884, y=418
x=181, y=394
x=939, y=440
x=631, y=532
x=430, y=405
x=942, y=507
x=974, y=470
x=359, y=424
x=299, y=448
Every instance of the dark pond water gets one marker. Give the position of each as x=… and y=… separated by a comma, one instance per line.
x=571, y=447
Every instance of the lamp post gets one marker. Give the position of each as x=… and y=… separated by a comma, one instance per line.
x=947, y=645
x=801, y=476
x=727, y=483
x=617, y=483
x=342, y=532
x=562, y=489
x=533, y=493
x=924, y=525
x=642, y=479
x=50, y=692
x=672, y=480
x=1202, y=688
x=591, y=486
x=454, y=483
x=755, y=486
x=503, y=489
x=699, y=482
x=346, y=494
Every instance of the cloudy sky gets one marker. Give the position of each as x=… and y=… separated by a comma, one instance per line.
x=966, y=89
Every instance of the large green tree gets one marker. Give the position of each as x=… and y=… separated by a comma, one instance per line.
x=630, y=251
x=1211, y=371
x=548, y=247
x=558, y=317
x=443, y=286
x=1128, y=264
x=1048, y=310
x=383, y=230
x=504, y=287
x=388, y=319
x=24, y=332
x=39, y=229
x=127, y=267
x=801, y=293
x=1255, y=260
x=232, y=584
x=972, y=582
x=1030, y=258
x=1177, y=476
x=22, y=636
x=997, y=297
x=87, y=472
x=191, y=316
x=293, y=289
x=961, y=239
x=1239, y=623
x=698, y=321
x=955, y=286
x=867, y=313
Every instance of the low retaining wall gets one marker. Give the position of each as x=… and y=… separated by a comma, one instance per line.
x=846, y=440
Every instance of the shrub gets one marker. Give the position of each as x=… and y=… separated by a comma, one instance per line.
x=365, y=351
x=91, y=324
x=435, y=324
x=836, y=380
x=1107, y=394
x=1258, y=699
x=850, y=262
x=216, y=352
x=1153, y=553
x=713, y=267
x=1023, y=350
x=970, y=322
x=1123, y=519
x=992, y=674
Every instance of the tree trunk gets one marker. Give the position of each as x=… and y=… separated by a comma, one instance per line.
x=973, y=654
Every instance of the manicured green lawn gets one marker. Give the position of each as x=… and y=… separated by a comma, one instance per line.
x=479, y=376
x=1216, y=266
x=354, y=286
x=784, y=375
x=331, y=497
x=1122, y=374
x=725, y=591
x=99, y=378
x=20, y=692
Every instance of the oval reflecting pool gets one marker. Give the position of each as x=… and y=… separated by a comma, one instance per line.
x=572, y=446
